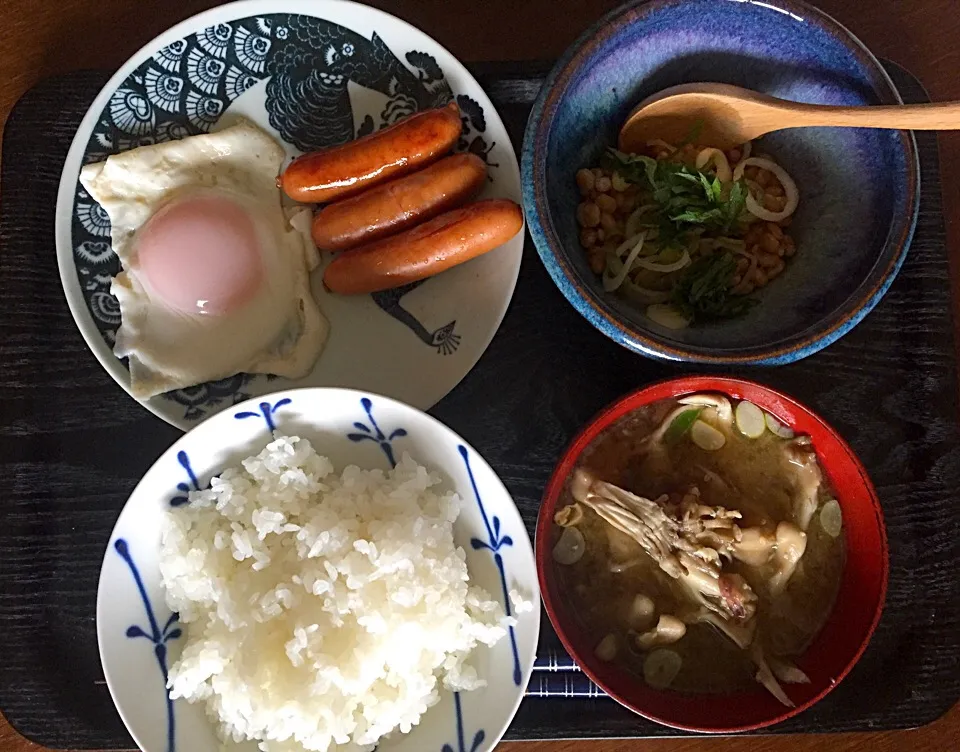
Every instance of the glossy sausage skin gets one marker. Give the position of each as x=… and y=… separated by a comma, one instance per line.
x=428, y=249
x=355, y=166
x=399, y=204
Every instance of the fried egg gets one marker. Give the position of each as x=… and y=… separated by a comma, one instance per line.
x=215, y=273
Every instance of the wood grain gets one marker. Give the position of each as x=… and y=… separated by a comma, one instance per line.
x=44, y=37
x=731, y=116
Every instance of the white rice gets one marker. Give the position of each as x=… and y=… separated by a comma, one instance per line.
x=322, y=611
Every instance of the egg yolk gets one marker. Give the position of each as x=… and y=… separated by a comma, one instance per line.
x=201, y=255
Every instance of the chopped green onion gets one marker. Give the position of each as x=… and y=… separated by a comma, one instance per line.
x=661, y=667
x=750, y=420
x=831, y=518
x=681, y=424
x=706, y=436
x=777, y=428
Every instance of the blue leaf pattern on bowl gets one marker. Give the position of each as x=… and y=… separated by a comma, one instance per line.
x=184, y=489
x=266, y=412
x=366, y=431
x=493, y=544
x=376, y=434
x=461, y=742
x=159, y=637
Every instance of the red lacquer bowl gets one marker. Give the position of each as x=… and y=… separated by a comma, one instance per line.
x=834, y=651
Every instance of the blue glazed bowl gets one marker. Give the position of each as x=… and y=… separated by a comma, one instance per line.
x=859, y=188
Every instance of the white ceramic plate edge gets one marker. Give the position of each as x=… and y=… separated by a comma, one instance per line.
x=69, y=174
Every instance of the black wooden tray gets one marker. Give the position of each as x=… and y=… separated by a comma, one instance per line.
x=73, y=445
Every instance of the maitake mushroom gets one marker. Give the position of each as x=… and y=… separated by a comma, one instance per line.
x=682, y=546
x=690, y=542
x=803, y=461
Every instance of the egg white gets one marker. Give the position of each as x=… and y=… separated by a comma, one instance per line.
x=280, y=330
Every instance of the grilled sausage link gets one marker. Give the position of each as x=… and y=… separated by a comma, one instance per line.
x=426, y=250
x=355, y=166
x=399, y=204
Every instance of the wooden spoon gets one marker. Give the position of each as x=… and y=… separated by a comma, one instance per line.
x=726, y=116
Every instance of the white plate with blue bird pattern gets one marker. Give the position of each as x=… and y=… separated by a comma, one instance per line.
x=312, y=73
x=140, y=638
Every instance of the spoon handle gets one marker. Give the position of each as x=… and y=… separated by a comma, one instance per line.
x=939, y=116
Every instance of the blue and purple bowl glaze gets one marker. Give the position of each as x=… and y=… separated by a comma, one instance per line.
x=859, y=188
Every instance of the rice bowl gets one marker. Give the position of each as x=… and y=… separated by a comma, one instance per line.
x=291, y=577
x=320, y=605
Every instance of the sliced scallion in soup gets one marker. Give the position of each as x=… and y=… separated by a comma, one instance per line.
x=709, y=546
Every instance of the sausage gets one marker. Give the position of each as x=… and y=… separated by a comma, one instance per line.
x=399, y=204
x=355, y=166
x=425, y=250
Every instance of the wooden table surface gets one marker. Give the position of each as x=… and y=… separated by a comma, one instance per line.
x=44, y=37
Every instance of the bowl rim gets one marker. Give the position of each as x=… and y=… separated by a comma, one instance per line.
x=666, y=389
x=809, y=340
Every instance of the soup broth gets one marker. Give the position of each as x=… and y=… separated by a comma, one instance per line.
x=774, y=502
